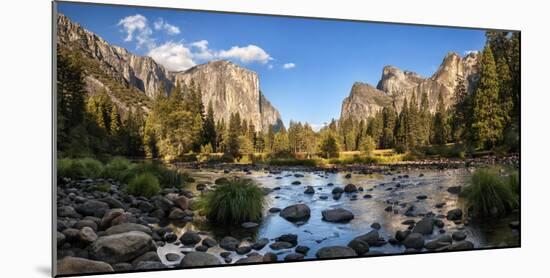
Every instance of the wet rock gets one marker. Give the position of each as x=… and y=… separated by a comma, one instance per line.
x=294, y=213
x=293, y=257
x=424, y=226
x=279, y=245
x=123, y=267
x=149, y=265
x=121, y=247
x=150, y=256
x=201, y=248
x=229, y=243
x=301, y=249
x=241, y=250
x=109, y=216
x=298, y=175
x=367, y=196
x=127, y=227
x=113, y=203
x=274, y=210
x=421, y=197
x=200, y=187
x=296, y=183
x=73, y=265
x=360, y=247
x=260, y=243
x=193, y=259
x=376, y=226
x=269, y=257
x=335, y=252
x=225, y=254
x=337, y=190
x=182, y=202
x=190, y=238
x=309, y=190
x=442, y=241
x=454, y=214
x=414, y=240
x=459, y=235
x=440, y=205
x=454, y=189
x=209, y=242
x=323, y=197
x=71, y=235
x=438, y=223
x=67, y=211
x=291, y=238
x=372, y=238
x=408, y=222
x=338, y=215
x=388, y=208
x=462, y=245
x=337, y=196
x=250, y=259
x=222, y=180
x=350, y=188
x=170, y=237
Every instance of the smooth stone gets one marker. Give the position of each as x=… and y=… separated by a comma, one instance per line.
x=350, y=188
x=121, y=247
x=359, y=246
x=459, y=235
x=74, y=265
x=454, y=214
x=414, y=240
x=338, y=215
x=229, y=243
x=190, y=238
x=424, y=226
x=172, y=257
x=193, y=259
x=249, y=225
x=294, y=213
x=301, y=249
x=335, y=252
x=127, y=227
x=260, y=243
x=293, y=257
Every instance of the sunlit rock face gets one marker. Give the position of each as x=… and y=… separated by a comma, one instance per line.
x=229, y=87
x=396, y=84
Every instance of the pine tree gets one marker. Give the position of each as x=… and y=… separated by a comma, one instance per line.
x=329, y=145
x=441, y=130
x=505, y=90
x=425, y=119
x=487, y=121
x=389, y=121
x=401, y=129
x=209, y=131
x=281, y=145
x=413, y=127
x=232, y=146
x=461, y=111
x=115, y=120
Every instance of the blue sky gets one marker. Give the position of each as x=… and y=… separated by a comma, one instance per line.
x=306, y=67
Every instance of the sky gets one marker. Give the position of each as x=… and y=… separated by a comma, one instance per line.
x=306, y=67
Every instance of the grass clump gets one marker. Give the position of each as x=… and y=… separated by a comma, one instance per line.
x=146, y=185
x=490, y=194
x=167, y=177
x=116, y=167
x=233, y=202
x=79, y=168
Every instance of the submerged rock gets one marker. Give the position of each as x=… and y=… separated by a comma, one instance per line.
x=295, y=213
x=339, y=215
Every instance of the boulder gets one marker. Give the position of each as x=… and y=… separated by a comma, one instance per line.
x=149, y=265
x=296, y=183
x=335, y=252
x=291, y=238
x=454, y=214
x=337, y=190
x=122, y=247
x=109, y=216
x=243, y=249
x=295, y=213
x=209, y=242
x=128, y=227
x=301, y=249
x=260, y=243
x=150, y=256
x=190, y=238
x=67, y=211
x=222, y=180
x=309, y=190
x=339, y=215
x=73, y=265
x=350, y=188
x=229, y=243
x=269, y=257
x=113, y=203
x=360, y=247
x=461, y=246
x=439, y=243
x=372, y=238
x=172, y=257
x=281, y=245
x=414, y=240
x=87, y=235
x=425, y=226
x=459, y=235
x=293, y=257
x=454, y=189
x=60, y=239
x=182, y=202
x=193, y=259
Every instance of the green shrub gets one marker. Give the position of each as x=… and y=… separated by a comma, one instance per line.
x=79, y=168
x=293, y=162
x=145, y=184
x=234, y=202
x=167, y=177
x=489, y=194
x=116, y=167
x=514, y=183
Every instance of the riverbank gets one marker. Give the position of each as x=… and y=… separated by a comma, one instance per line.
x=310, y=214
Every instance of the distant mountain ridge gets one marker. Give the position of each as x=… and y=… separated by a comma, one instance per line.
x=395, y=85
x=229, y=87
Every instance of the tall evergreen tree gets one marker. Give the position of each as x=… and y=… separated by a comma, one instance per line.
x=209, y=133
x=487, y=121
x=441, y=130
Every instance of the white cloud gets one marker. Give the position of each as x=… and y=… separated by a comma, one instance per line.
x=137, y=28
x=246, y=54
x=471, y=52
x=170, y=29
x=203, y=52
x=289, y=66
x=173, y=56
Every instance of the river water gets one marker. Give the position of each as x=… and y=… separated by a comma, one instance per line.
x=399, y=190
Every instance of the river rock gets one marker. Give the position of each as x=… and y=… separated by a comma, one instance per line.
x=176, y=214
x=360, y=247
x=414, y=240
x=85, y=223
x=222, y=180
x=454, y=214
x=229, y=243
x=128, y=227
x=348, y=176
x=372, y=238
x=172, y=257
x=439, y=243
x=190, y=238
x=454, y=189
x=113, y=203
x=250, y=260
x=121, y=247
x=73, y=265
x=149, y=265
x=293, y=257
x=260, y=243
x=421, y=197
x=67, y=211
x=291, y=238
x=309, y=190
x=209, y=242
x=335, y=252
x=163, y=203
x=295, y=213
x=279, y=245
x=296, y=183
x=201, y=248
x=301, y=249
x=337, y=190
x=338, y=215
x=150, y=256
x=123, y=267
x=125, y=217
x=269, y=257
x=60, y=239
x=440, y=205
x=459, y=235
x=109, y=216
x=350, y=188
x=424, y=226
x=461, y=246
x=87, y=235
x=376, y=226
x=274, y=210
x=193, y=259
x=92, y=208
